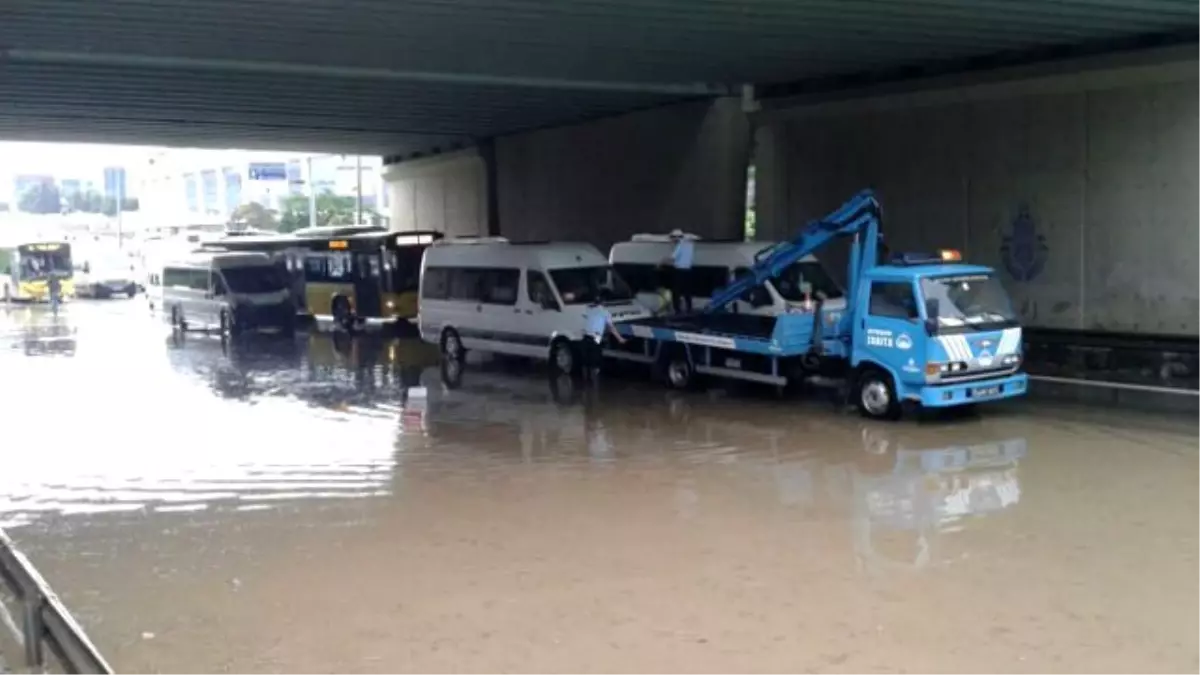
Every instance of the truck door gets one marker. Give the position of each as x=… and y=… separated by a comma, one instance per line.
x=889, y=331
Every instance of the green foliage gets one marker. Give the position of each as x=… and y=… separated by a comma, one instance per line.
x=253, y=216
x=86, y=202
x=331, y=210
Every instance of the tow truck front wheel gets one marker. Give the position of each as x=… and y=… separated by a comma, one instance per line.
x=876, y=395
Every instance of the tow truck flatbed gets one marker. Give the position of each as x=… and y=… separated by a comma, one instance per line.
x=784, y=335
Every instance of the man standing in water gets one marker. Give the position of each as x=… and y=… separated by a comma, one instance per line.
x=54, y=287
x=681, y=271
x=597, y=320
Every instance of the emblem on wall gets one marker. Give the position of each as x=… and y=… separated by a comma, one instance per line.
x=1023, y=250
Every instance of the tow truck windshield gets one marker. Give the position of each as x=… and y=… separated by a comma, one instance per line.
x=584, y=285
x=969, y=302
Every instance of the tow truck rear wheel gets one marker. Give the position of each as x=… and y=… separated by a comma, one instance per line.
x=679, y=371
x=875, y=395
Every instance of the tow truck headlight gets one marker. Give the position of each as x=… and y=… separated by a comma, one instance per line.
x=1011, y=360
x=937, y=369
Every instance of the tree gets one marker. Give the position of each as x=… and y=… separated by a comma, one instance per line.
x=253, y=215
x=41, y=198
x=86, y=202
x=331, y=210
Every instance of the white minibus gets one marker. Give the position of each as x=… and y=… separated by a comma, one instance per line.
x=234, y=292
x=715, y=264
x=523, y=299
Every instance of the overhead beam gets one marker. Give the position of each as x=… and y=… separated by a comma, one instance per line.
x=39, y=56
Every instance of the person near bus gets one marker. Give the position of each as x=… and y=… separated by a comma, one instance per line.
x=55, y=289
x=597, y=320
x=680, y=263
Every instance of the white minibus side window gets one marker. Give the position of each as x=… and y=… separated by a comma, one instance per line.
x=466, y=284
x=435, y=284
x=500, y=286
x=174, y=277
x=199, y=279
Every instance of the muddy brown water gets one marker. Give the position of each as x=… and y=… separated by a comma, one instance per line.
x=325, y=505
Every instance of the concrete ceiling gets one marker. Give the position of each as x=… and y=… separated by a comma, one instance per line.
x=397, y=76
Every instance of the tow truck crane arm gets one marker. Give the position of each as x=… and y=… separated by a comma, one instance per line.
x=858, y=217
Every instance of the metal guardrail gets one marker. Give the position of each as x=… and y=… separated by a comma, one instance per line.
x=45, y=623
x=1105, y=384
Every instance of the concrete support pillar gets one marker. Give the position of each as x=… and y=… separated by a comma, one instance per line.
x=446, y=193
x=681, y=166
x=771, y=186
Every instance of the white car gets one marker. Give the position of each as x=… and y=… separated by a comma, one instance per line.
x=105, y=277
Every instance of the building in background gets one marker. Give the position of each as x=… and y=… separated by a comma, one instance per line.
x=211, y=184
x=115, y=183
x=70, y=188
x=25, y=182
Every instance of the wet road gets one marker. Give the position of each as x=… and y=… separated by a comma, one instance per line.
x=302, y=507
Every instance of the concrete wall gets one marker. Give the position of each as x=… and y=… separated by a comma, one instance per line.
x=446, y=193
x=1081, y=186
x=680, y=166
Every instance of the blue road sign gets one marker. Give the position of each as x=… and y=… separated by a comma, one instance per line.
x=268, y=171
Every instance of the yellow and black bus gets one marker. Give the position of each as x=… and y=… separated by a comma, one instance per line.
x=26, y=269
x=363, y=276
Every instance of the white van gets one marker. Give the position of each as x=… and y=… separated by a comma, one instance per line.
x=716, y=264
x=103, y=274
x=520, y=299
x=230, y=291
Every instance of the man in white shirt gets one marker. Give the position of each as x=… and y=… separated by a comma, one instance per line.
x=681, y=271
x=597, y=321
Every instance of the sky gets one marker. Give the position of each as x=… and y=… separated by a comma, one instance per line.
x=68, y=158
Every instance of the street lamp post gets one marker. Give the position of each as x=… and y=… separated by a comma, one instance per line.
x=358, y=218
x=312, y=195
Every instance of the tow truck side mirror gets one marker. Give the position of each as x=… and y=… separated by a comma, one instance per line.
x=932, y=308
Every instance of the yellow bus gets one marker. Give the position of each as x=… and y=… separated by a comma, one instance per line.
x=363, y=276
x=26, y=269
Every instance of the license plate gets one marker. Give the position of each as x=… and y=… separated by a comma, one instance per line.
x=985, y=391
x=733, y=363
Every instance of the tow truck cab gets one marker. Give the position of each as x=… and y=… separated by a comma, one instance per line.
x=945, y=333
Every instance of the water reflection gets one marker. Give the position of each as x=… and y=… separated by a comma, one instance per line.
x=245, y=449
x=900, y=490
x=35, y=332
x=902, y=514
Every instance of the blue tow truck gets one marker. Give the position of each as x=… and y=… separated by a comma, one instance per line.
x=922, y=328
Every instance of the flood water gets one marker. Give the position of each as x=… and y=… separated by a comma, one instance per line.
x=336, y=506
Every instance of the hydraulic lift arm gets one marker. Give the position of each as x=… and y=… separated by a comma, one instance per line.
x=858, y=217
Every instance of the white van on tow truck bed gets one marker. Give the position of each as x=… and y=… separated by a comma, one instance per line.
x=717, y=263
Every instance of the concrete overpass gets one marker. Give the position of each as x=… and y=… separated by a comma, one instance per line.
x=1055, y=139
